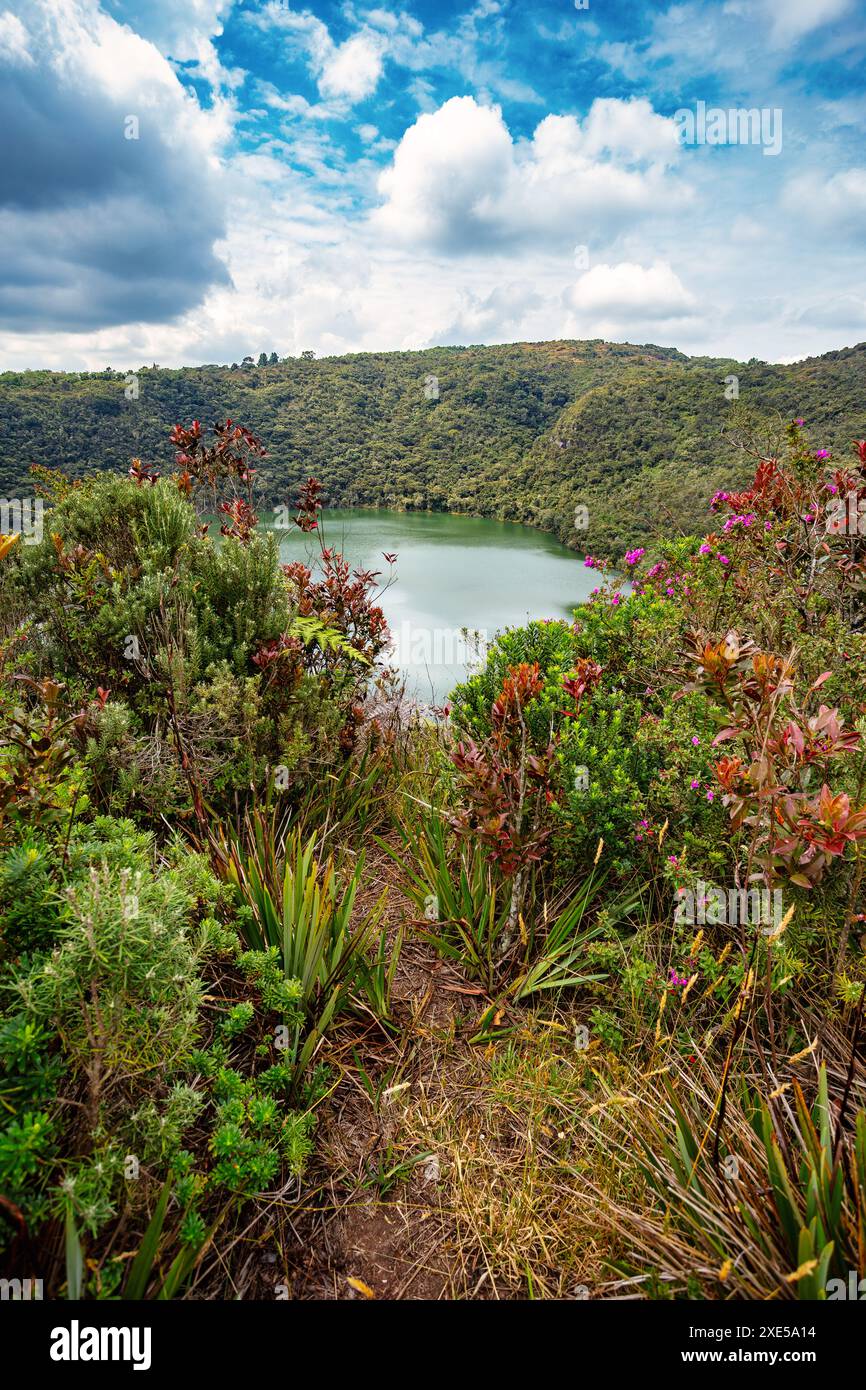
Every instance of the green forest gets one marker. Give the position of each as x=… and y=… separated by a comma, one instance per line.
x=527, y=432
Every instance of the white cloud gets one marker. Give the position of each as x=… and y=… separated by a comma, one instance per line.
x=491, y=317
x=345, y=73
x=353, y=69
x=822, y=202
x=736, y=39
x=176, y=30
x=459, y=181
x=14, y=41
x=791, y=20
x=633, y=293
x=185, y=32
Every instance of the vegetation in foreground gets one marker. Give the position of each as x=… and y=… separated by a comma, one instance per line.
x=557, y=994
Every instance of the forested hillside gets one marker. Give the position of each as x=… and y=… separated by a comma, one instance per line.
x=523, y=432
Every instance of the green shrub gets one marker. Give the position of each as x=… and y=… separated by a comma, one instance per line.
x=121, y=987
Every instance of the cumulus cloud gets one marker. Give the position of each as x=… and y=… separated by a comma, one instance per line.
x=633, y=293
x=176, y=29
x=459, y=182
x=352, y=69
x=345, y=72
x=97, y=228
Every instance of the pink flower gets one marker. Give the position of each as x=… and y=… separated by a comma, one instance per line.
x=695, y=740
x=723, y=560
x=704, y=549
x=695, y=784
x=710, y=796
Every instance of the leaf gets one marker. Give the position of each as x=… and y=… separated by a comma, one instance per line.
x=825, y=676
x=74, y=1258
x=361, y=1287
x=142, y=1266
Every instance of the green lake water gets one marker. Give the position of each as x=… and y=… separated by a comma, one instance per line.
x=451, y=573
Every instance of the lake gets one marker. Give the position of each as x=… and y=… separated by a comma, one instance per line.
x=451, y=573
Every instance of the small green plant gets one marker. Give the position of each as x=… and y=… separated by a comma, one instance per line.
x=457, y=893
x=297, y=909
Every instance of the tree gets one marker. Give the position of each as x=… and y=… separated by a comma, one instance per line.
x=263, y=359
x=273, y=360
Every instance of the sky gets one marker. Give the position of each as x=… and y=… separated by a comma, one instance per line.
x=190, y=181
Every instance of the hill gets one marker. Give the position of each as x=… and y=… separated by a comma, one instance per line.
x=640, y=435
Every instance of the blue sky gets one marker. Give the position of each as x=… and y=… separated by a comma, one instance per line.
x=191, y=182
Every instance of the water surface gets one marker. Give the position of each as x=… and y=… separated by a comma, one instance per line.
x=451, y=573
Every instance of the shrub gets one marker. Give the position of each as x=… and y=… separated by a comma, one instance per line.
x=121, y=987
